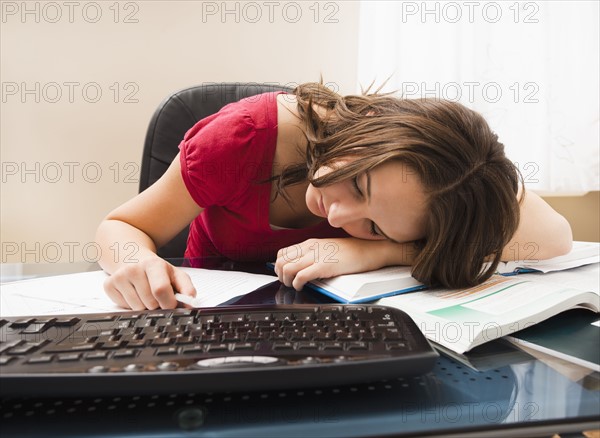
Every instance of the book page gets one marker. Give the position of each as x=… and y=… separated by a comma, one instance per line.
x=347, y=286
x=460, y=319
x=216, y=287
x=582, y=253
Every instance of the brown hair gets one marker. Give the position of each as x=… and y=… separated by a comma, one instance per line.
x=470, y=184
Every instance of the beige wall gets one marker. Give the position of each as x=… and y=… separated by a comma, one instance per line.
x=52, y=146
x=582, y=212
x=69, y=156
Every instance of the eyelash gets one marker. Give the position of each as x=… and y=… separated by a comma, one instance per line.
x=360, y=195
x=355, y=182
x=372, y=230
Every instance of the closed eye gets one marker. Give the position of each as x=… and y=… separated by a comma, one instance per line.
x=374, y=231
x=356, y=187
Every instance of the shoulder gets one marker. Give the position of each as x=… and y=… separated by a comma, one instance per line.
x=223, y=152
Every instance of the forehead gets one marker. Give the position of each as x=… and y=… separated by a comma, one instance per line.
x=398, y=201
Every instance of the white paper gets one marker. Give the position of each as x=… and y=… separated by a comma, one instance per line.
x=582, y=253
x=216, y=287
x=84, y=292
x=61, y=294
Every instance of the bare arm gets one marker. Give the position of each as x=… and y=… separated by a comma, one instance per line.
x=542, y=232
x=130, y=235
x=325, y=258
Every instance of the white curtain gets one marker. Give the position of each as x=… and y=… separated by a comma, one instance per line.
x=531, y=68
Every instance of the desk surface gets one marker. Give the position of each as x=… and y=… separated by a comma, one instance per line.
x=513, y=394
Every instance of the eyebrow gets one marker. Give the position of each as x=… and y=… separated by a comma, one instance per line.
x=369, y=202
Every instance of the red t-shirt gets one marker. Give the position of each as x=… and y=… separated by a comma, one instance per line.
x=224, y=159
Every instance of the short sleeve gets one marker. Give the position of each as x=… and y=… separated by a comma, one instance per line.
x=214, y=154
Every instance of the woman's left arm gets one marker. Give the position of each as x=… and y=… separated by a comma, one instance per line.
x=325, y=258
x=542, y=232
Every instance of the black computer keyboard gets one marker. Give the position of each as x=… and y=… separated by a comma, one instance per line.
x=220, y=349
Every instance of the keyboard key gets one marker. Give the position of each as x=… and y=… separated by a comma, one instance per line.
x=69, y=357
x=283, y=346
x=166, y=350
x=357, y=346
x=5, y=359
x=8, y=345
x=112, y=345
x=136, y=343
x=40, y=359
x=304, y=316
x=23, y=349
x=244, y=346
x=66, y=321
x=124, y=354
x=233, y=318
x=307, y=346
x=102, y=318
x=21, y=322
x=217, y=347
x=264, y=317
x=96, y=355
x=39, y=326
x=68, y=347
x=395, y=345
x=160, y=341
x=194, y=349
x=332, y=346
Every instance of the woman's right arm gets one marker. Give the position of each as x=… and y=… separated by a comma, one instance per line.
x=130, y=235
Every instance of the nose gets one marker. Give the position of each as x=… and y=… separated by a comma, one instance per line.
x=342, y=214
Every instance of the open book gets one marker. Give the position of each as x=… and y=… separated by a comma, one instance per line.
x=462, y=319
x=368, y=286
x=395, y=280
x=582, y=253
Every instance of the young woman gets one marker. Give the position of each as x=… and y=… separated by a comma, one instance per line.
x=329, y=185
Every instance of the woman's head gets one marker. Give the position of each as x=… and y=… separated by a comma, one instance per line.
x=462, y=188
x=361, y=204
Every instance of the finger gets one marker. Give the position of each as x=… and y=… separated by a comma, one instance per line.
x=128, y=292
x=159, y=278
x=136, y=276
x=311, y=272
x=183, y=283
x=114, y=294
x=290, y=270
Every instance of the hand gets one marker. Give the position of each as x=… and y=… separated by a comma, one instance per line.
x=148, y=284
x=325, y=258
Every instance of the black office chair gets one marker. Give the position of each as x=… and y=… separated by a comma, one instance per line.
x=172, y=119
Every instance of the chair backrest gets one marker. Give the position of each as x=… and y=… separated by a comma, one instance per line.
x=172, y=119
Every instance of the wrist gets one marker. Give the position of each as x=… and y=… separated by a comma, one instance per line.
x=398, y=253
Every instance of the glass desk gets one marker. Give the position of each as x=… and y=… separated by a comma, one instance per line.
x=506, y=393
